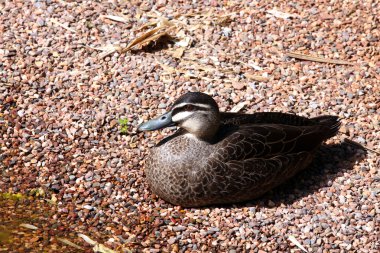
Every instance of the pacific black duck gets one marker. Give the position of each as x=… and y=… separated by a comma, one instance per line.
x=219, y=157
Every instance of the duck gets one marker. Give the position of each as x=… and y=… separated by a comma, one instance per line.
x=217, y=158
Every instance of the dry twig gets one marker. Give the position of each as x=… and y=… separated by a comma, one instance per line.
x=360, y=146
x=316, y=58
x=297, y=243
x=67, y=242
x=115, y=18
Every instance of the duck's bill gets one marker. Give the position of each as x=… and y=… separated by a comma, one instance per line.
x=157, y=123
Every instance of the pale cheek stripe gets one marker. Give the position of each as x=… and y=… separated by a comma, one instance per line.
x=181, y=116
x=195, y=104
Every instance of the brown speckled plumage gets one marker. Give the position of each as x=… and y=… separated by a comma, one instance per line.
x=249, y=155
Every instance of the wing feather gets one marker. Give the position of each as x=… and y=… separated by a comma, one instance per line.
x=266, y=141
x=251, y=177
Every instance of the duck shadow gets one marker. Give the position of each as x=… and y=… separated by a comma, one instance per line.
x=330, y=162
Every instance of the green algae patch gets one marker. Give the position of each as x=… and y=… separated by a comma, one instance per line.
x=11, y=196
x=4, y=236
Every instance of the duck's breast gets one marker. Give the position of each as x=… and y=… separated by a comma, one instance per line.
x=172, y=167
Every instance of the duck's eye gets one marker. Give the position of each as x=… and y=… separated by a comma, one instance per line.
x=189, y=108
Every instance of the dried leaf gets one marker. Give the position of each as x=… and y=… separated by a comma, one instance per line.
x=141, y=38
x=105, y=48
x=154, y=38
x=200, y=14
x=251, y=64
x=102, y=249
x=34, y=239
x=164, y=22
x=296, y=242
x=147, y=25
x=194, y=65
x=280, y=14
x=255, y=77
x=178, y=52
x=115, y=18
x=98, y=247
x=224, y=20
x=167, y=68
x=54, y=21
x=28, y=226
x=317, y=59
x=192, y=28
x=109, y=50
x=162, y=29
x=65, y=241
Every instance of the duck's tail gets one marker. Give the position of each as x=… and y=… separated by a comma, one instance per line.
x=331, y=123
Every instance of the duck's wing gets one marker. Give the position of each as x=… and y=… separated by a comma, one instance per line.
x=250, y=178
x=269, y=140
x=256, y=158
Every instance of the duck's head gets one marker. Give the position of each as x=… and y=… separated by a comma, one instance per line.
x=196, y=112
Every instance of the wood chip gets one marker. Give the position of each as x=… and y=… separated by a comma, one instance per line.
x=238, y=107
x=316, y=58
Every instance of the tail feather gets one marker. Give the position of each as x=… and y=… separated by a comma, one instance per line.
x=332, y=124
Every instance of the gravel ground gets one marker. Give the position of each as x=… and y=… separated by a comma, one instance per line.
x=60, y=106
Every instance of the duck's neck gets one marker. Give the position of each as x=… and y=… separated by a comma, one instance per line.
x=204, y=128
x=206, y=133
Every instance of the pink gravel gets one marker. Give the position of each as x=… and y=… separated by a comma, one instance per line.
x=60, y=106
